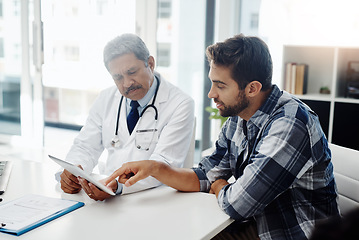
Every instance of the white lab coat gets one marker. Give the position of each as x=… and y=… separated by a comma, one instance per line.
x=175, y=126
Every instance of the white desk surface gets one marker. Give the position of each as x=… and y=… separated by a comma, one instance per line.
x=159, y=213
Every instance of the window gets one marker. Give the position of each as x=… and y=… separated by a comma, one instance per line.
x=164, y=8
x=254, y=20
x=75, y=33
x=16, y=7
x=101, y=7
x=181, y=49
x=163, y=54
x=1, y=47
x=10, y=68
x=65, y=8
x=1, y=13
x=71, y=53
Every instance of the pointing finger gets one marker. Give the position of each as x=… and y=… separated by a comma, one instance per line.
x=115, y=174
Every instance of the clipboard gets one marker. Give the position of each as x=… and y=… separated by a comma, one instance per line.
x=78, y=172
x=31, y=211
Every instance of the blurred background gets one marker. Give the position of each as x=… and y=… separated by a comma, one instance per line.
x=51, y=66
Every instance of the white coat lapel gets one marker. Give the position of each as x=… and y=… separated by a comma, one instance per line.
x=163, y=93
x=122, y=128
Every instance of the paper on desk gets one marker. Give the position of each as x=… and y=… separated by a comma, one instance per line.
x=31, y=210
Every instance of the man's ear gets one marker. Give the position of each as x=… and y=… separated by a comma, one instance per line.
x=151, y=63
x=253, y=88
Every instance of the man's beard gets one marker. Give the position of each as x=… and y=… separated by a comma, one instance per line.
x=234, y=110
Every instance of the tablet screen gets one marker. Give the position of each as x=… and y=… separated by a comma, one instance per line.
x=78, y=172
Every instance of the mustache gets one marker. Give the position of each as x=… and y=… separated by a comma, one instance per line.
x=131, y=88
x=217, y=101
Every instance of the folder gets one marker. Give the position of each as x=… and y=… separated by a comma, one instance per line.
x=31, y=211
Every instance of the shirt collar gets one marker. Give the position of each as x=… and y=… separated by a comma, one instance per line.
x=267, y=108
x=263, y=113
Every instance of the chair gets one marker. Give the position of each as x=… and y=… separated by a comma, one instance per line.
x=188, y=162
x=346, y=172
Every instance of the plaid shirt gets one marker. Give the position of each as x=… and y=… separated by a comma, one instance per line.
x=282, y=166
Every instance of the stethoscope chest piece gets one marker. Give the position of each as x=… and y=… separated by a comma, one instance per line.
x=115, y=142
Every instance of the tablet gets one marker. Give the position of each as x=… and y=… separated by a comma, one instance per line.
x=78, y=172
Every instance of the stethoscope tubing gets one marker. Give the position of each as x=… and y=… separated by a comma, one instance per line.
x=152, y=105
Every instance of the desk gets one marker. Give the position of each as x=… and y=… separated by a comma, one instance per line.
x=159, y=213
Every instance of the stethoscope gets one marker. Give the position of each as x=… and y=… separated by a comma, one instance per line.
x=116, y=141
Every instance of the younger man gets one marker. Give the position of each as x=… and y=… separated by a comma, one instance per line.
x=272, y=144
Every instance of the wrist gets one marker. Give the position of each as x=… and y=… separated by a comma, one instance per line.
x=218, y=185
x=157, y=168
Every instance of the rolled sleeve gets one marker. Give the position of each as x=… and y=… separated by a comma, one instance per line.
x=205, y=184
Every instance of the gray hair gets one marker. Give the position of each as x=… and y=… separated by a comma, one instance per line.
x=125, y=44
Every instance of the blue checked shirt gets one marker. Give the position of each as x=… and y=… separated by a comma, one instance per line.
x=282, y=166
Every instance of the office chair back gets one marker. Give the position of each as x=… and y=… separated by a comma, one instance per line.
x=346, y=169
x=188, y=163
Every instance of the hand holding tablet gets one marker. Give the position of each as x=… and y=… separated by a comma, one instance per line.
x=78, y=172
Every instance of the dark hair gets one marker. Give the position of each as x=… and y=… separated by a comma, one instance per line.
x=247, y=57
x=124, y=44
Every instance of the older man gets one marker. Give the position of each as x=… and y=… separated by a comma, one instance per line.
x=142, y=117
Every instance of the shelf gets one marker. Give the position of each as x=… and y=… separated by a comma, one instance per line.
x=327, y=67
x=318, y=97
x=320, y=61
x=347, y=100
x=327, y=98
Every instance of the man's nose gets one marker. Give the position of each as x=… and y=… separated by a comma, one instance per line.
x=127, y=81
x=212, y=93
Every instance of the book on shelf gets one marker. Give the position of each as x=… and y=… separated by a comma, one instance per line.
x=288, y=77
x=296, y=78
x=301, y=80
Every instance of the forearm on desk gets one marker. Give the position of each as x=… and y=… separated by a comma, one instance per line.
x=181, y=179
